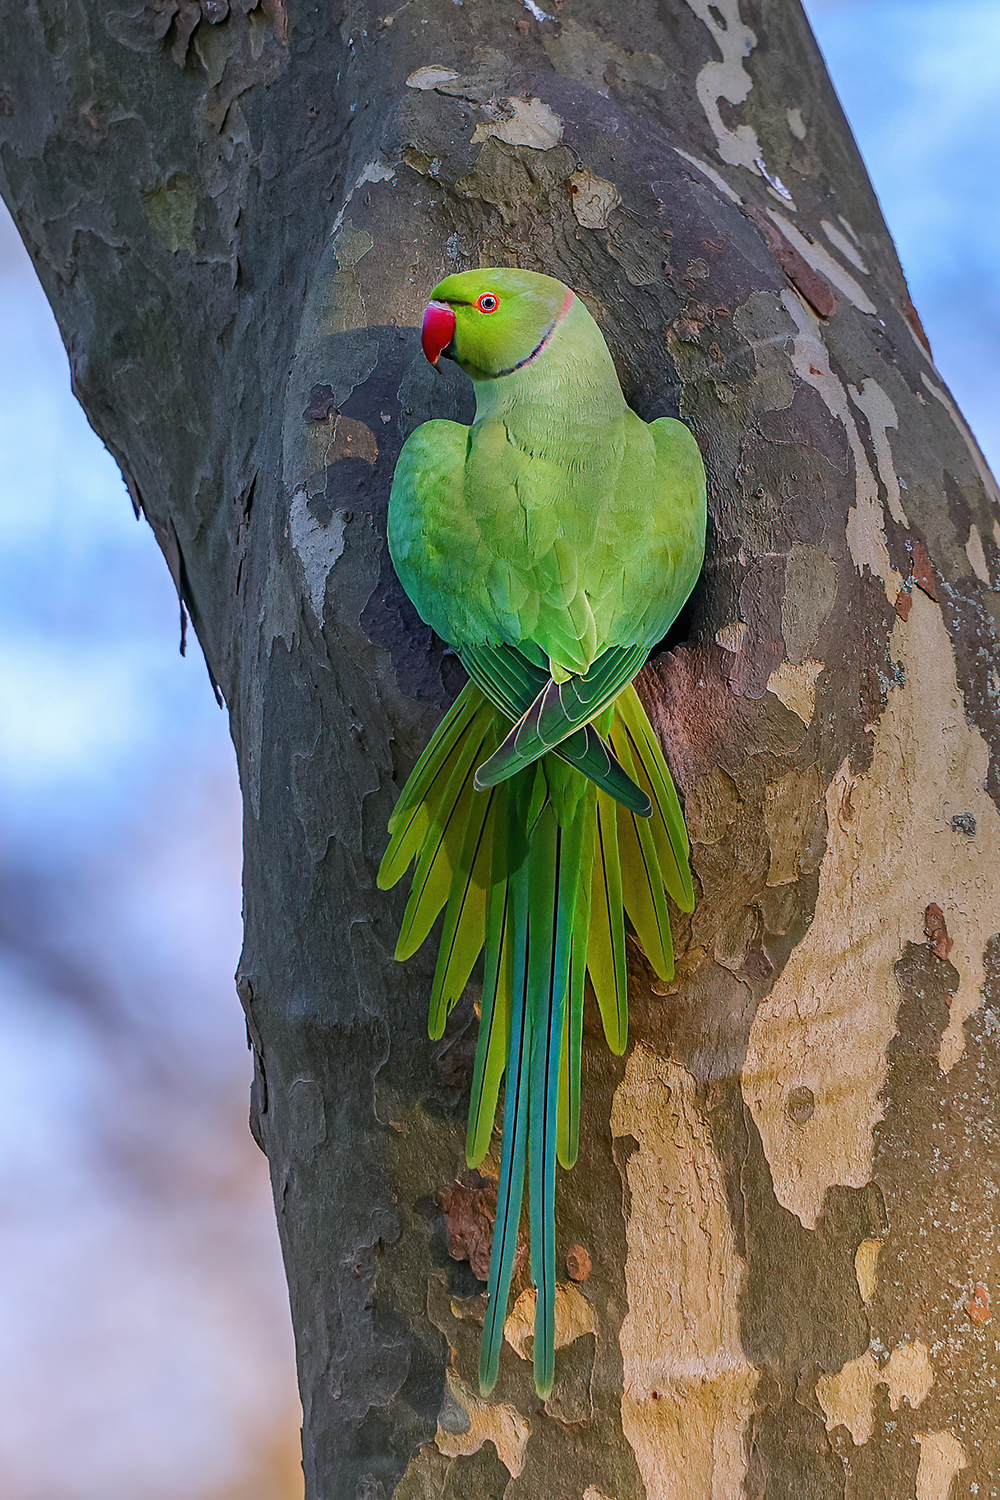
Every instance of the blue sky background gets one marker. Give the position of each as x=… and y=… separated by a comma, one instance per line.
x=144, y=1313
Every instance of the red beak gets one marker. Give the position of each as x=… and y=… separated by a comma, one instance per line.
x=438, y=330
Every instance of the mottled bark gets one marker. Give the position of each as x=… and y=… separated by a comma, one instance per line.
x=785, y=1192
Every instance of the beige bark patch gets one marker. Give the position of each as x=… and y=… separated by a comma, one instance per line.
x=735, y=939
x=866, y=1267
x=796, y=124
x=732, y=637
x=891, y=850
x=847, y=1398
x=430, y=77
x=574, y=1317
x=594, y=199
x=688, y=1386
x=909, y=1374
x=711, y=806
x=810, y=594
x=941, y=1458
x=489, y=1422
x=170, y=207
x=346, y=308
x=729, y=79
x=977, y=557
x=794, y=684
x=530, y=123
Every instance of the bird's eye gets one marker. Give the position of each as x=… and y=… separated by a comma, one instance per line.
x=488, y=302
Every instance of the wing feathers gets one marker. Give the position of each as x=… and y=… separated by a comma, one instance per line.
x=558, y=710
x=588, y=753
x=513, y=684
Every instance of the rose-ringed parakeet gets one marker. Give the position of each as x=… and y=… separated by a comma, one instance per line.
x=551, y=544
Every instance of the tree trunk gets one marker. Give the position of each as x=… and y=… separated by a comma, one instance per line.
x=785, y=1189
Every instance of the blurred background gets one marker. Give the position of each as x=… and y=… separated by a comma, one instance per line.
x=146, y=1349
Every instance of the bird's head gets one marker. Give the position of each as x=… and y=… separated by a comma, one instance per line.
x=493, y=322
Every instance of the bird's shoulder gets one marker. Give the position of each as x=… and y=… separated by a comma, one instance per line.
x=433, y=451
x=677, y=452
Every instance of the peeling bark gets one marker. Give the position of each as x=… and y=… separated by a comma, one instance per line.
x=785, y=1194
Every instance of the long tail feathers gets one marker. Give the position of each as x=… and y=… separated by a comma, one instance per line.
x=539, y=870
x=568, y=1141
x=498, y=987
x=420, y=802
x=510, y=1189
x=632, y=729
x=606, y=947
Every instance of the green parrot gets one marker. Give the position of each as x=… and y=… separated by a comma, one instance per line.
x=551, y=544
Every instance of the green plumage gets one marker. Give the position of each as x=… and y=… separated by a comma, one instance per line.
x=551, y=545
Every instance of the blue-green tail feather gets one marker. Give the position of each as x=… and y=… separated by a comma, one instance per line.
x=510, y=1190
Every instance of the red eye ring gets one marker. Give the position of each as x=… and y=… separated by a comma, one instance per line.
x=488, y=302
